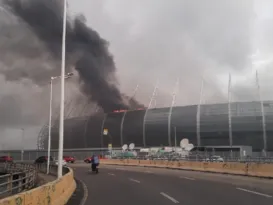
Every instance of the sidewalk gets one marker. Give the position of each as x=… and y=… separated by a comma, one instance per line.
x=44, y=178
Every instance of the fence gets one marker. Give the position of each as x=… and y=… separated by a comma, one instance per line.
x=81, y=154
x=19, y=177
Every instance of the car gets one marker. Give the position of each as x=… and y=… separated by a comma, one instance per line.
x=87, y=160
x=63, y=162
x=215, y=158
x=6, y=159
x=42, y=159
x=69, y=159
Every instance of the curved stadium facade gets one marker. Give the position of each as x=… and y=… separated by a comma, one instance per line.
x=86, y=132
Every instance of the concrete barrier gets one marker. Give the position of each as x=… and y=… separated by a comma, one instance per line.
x=57, y=192
x=247, y=169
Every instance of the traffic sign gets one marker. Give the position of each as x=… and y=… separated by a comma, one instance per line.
x=109, y=146
x=105, y=131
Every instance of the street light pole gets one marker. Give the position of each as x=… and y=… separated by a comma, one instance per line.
x=61, y=127
x=49, y=127
x=68, y=75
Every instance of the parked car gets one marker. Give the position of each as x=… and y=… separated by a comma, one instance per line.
x=6, y=159
x=43, y=159
x=63, y=162
x=87, y=160
x=69, y=159
x=215, y=158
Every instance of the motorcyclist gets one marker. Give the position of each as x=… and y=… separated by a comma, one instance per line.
x=95, y=163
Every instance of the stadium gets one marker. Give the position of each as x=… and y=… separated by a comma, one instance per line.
x=246, y=121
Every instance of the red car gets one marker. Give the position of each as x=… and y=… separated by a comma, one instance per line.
x=6, y=159
x=69, y=159
x=87, y=160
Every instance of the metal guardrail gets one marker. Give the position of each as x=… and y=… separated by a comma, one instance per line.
x=19, y=177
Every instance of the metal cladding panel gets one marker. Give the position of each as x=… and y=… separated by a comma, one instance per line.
x=184, y=119
x=92, y=131
x=246, y=126
x=156, y=127
x=133, y=127
x=112, y=123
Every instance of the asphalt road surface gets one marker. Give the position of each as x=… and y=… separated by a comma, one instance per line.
x=139, y=185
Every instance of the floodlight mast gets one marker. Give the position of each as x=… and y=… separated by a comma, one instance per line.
x=229, y=115
x=198, y=114
x=102, y=128
x=171, y=110
x=146, y=111
x=124, y=114
x=263, y=116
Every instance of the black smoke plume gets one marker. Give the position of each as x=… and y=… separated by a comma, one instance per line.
x=86, y=51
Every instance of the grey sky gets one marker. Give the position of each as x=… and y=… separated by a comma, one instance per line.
x=169, y=39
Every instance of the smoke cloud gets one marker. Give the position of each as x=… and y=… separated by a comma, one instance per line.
x=87, y=52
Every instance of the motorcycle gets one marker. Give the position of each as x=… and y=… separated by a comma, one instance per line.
x=95, y=168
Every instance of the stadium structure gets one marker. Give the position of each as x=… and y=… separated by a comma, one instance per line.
x=127, y=127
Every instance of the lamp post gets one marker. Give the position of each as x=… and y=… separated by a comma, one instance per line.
x=68, y=75
x=61, y=127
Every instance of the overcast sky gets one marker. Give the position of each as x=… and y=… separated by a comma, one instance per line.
x=162, y=40
x=159, y=39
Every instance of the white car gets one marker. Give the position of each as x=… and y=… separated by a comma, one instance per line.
x=63, y=162
x=215, y=158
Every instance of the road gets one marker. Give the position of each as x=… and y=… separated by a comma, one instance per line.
x=139, y=185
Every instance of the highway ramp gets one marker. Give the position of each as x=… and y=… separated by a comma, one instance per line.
x=140, y=185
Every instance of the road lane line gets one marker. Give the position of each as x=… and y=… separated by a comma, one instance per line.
x=254, y=192
x=134, y=180
x=111, y=174
x=120, y=169
x=149, y=172
x=189, y=178
x=169, y=197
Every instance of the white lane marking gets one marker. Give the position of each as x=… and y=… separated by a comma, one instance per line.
x=85, y=194
x=189, y=178
x=149, y=172
x=111, y=174
x=134, y=180
x=120, y=169
x=254, y=192
x=169, y=197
